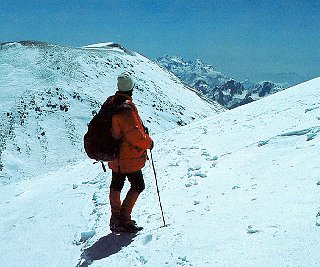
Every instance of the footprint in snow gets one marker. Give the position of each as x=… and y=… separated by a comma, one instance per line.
x=196, y=167
x=318, y=219
x=195, y=170
x=173, y=164
x=196, y=202
x=251, y=230
x=263, y=143
x=214, y=164
x=142, y=259
x=147, y=239
x=191, y=183
x=200, y=174
x=85, y=236
x=183, y=261
x=311, y=136
x=207, y=156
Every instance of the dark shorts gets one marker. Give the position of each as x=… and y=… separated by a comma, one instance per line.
x=135, y=179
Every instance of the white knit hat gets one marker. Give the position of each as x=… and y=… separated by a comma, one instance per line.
x=125, y=82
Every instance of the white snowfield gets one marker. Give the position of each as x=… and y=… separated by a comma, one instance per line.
x=240, y=188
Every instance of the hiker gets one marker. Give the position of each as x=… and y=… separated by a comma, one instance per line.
x=134, y=141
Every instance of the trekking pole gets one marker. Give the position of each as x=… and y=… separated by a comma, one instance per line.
x=155, y=177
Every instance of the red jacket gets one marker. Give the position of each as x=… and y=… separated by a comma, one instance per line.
x=127, y=126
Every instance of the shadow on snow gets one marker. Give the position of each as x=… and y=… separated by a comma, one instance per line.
x=105, y=247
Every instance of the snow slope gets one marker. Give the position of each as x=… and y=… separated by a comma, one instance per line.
x=48, y=94
x=240, y=188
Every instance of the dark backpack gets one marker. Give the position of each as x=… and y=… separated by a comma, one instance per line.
x=99, y=143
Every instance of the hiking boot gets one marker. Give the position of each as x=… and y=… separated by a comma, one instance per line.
x=118, y=224
x=115, y=223
x=131, y=226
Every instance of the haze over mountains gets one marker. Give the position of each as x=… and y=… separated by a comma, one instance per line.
x=215, y=85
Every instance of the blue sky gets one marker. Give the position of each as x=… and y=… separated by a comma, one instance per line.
x=243, y=39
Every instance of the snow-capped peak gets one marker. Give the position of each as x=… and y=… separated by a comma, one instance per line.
x=216, y=86
x=99, y=45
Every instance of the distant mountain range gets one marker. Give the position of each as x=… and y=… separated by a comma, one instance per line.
x=206, y=79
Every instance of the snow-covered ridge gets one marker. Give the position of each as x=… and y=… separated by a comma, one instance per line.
x=110, y=46
x=100, y=45
x=48, y=94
